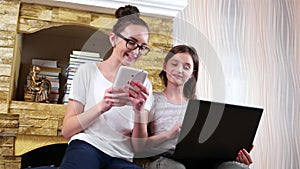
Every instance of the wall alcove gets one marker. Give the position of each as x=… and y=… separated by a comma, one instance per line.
x=57, y=43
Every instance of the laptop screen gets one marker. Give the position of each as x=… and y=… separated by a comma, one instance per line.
x=216, y=131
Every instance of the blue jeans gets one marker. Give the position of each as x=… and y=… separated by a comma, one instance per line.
x=81, y=155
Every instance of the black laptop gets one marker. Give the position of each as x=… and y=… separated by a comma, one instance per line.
x=215, y=131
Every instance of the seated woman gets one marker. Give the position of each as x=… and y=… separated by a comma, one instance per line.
x=179, y=75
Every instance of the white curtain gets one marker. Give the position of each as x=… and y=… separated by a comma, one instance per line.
x=250, y=55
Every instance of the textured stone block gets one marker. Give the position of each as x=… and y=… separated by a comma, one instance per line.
x=4, y=79
x=6, y=52
x=52, y=109
x=3, y=106
x=7, y=35
x=38, y=124
x=9, y=7
x=73, y=16
x=103, y=21
x=12, y=162
x=3, y=95
x=7, y=42
x=5, y=70
x=6, y=146
x=6, y=61
x=9, y=120
x=38, y=118
x=9, y=123
x=7, y=27
x=34, y=11
x=4, y=83
x=11, y=19
x=31, y=26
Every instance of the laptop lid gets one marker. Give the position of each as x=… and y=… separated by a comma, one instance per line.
x=216, y=131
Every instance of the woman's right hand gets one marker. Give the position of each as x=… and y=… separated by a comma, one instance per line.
x=114, y=97
x=75, y=120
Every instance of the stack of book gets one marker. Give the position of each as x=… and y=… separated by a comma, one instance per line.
x=50, y=71
x=76, y=59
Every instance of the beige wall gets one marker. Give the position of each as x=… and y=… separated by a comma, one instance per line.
x=254, y=45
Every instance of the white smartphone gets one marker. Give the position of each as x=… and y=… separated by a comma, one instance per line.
x=126, y=74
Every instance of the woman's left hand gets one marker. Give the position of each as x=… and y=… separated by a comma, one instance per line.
x=138, y=95
x=244, y=157
x=174, y=132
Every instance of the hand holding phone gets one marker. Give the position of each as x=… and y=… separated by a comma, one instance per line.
x=126, y=75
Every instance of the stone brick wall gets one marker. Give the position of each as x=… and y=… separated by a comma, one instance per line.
x=9, y=12
x=37, y=17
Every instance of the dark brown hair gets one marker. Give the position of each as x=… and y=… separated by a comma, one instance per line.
x=126, y=15
x=189, y=89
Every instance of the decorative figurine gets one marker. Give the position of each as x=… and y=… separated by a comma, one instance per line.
x=39, y=87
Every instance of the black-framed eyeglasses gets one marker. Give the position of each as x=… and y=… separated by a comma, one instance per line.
x=132, y=45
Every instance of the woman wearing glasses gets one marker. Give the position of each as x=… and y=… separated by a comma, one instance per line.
x=96, y=121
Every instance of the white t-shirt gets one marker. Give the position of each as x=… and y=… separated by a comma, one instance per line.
x=163, y=116
x=110, y=132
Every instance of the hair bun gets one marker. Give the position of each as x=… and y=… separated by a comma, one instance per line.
x=127, y=10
